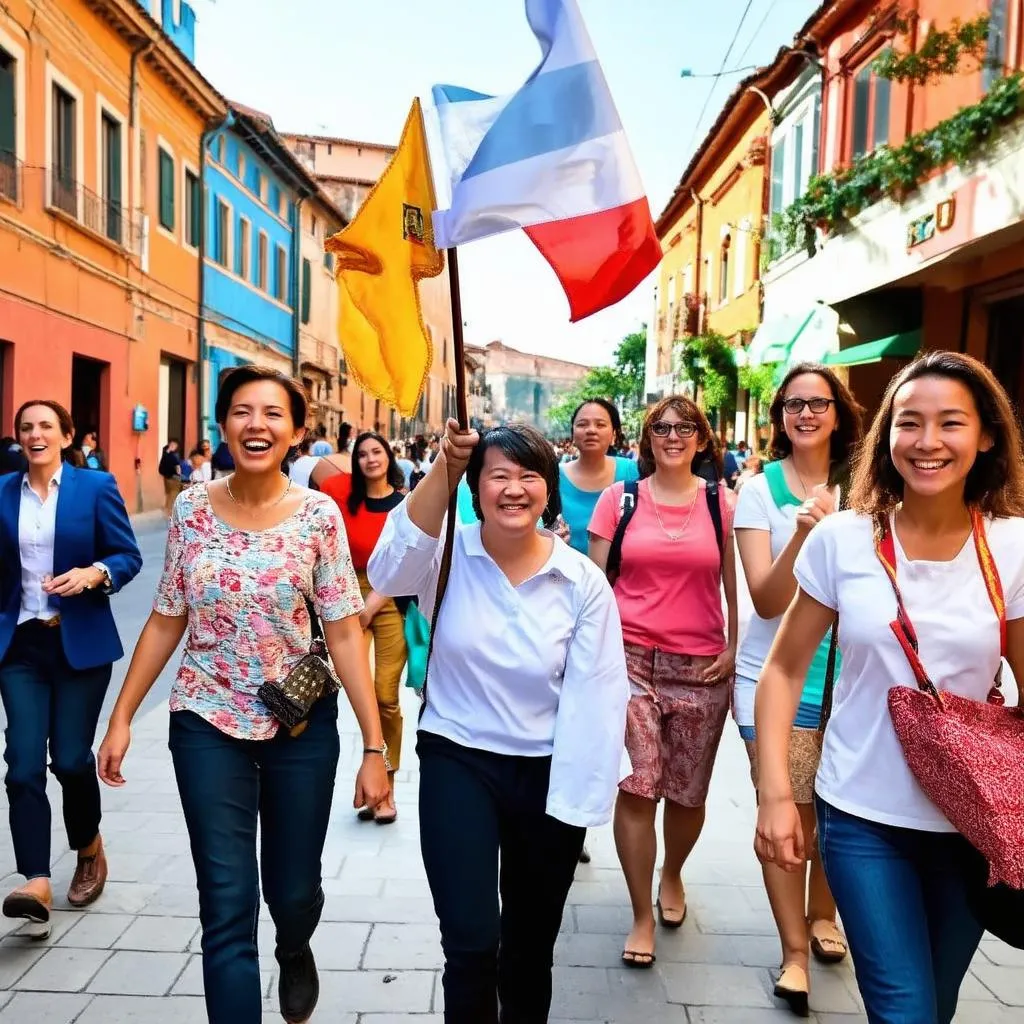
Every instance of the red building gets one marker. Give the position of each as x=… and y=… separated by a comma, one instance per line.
x=934, y=259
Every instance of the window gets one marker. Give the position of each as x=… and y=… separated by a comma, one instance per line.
x=221, y=233
x=110, y=186
x=778, y=203
x=274, y=202
x=281, y=274
x=241, y=167
x=242, y=250
x=218, y=149
x=193, y=210
x=261, y=262
x=253, y=179
x=62, y=157
x=871, y=96
x=166, y=189
x=996, y=54
x=8, y=126
x=312, y=225
x=307, y=290
x=723, y=271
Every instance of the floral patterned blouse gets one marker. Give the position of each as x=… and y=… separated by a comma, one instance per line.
x=243, y=593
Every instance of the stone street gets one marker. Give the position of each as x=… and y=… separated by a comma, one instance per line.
x=134, y=956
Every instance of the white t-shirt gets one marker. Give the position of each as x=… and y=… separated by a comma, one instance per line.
x=863, y=770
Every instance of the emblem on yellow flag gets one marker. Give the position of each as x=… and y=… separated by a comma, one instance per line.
x=381, y=255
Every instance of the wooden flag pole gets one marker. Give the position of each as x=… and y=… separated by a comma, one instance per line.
x=462, y=415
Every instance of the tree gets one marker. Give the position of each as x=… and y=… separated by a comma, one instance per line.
x=621, y=383
x=709, y=363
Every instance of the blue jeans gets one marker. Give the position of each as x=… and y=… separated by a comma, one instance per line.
x=225, y=785
x=48, y=703
x=903, y=897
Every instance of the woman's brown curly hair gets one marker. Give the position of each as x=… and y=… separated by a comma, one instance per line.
x=995, y=483
x=687, y=408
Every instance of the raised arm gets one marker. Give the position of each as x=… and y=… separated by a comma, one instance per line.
x=428, y=504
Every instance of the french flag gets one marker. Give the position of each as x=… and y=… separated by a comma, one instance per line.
x=551, y=159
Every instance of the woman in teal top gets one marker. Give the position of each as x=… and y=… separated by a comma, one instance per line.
x=596, y=428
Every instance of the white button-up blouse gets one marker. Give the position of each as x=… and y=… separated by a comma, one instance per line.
x=536, y=670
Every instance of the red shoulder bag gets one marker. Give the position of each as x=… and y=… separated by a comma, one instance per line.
x=967, y=755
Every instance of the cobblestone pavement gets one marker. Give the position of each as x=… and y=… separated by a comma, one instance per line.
x=134, y=956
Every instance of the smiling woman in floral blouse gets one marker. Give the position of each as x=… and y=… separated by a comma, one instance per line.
x=246, y=556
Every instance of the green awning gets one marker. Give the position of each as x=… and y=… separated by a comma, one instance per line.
x=774, y=338
x=899, y=346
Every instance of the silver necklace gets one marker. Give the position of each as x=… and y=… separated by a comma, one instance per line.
x=256, y=512
x=807, y=492
x=657, y=511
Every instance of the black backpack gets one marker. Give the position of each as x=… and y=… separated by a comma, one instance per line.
x=627, y=506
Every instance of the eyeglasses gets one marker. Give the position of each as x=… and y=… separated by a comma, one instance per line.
x=795, y=406
x=662, y=428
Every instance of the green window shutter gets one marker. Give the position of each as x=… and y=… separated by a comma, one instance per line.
x=166, y=190
x=7, y=106
x=307, y=290
x=196, y=210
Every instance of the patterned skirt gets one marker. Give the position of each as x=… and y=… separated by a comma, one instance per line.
x=673, y=725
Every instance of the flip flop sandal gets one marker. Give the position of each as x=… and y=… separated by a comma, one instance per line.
x=386, y=819
x=366, y=814
x=793, y=988
x=638, y=961
x=669, y=922
x=827, y=942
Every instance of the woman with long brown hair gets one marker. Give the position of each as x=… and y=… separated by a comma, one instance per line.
x=937, y=499
x=673, y=560
x=816, y=424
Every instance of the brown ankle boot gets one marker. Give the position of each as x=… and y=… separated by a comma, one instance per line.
x=89, y=880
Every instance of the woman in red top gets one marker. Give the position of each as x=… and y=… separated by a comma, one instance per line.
x=365, y=498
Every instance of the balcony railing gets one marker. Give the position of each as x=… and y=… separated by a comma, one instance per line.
x=10, y=176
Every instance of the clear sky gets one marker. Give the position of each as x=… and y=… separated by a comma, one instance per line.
x=351, y=68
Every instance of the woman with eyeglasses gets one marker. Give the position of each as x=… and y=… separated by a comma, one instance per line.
x=676, y=553
x=816, y=423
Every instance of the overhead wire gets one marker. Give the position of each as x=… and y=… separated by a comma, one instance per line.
x=757, y=31
x=721, y=69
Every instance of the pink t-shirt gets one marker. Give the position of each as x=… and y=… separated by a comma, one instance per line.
x=669, y=592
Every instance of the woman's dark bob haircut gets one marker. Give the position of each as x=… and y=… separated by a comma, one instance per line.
x=849, y=411
x=995, y=483
x=526, y=447
x=64, y=421
x=395, y=477
x=243, y=375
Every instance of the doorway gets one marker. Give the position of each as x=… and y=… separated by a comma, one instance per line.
x=88, y=377
x=1006, y=348
x=172, y=401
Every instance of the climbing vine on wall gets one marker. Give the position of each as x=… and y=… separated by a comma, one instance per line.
x=708, y=361
x=939, y=55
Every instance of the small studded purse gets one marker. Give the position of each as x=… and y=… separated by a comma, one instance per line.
x=291, y=700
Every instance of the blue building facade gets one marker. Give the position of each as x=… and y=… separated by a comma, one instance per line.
x=252, y=189
x=177, y=19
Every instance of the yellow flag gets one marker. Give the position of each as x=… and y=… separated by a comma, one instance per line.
x=387, y=248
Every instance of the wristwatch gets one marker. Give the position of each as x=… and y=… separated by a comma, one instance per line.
x=108, y=581
x=383, y=751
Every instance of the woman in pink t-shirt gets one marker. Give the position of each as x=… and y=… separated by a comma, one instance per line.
x=680, y=653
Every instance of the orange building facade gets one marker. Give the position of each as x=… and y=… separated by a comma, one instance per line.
x=102, y=114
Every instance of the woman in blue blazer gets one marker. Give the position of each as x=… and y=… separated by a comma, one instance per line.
x=66, y=545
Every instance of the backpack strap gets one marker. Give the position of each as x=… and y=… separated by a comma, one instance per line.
x=627, y=507
x=715, y=508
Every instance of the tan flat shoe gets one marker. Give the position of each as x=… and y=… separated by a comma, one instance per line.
x=827, y=942
x=793, y=987
x=30, y=908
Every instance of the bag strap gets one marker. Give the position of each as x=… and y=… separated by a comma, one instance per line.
x=443, y=573
x=903, y=628
x=627, y=508
x=830, y=676
x=715, y=508
x=316, y=630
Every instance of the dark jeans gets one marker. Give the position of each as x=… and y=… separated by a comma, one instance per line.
x=48, y=702
x=903, y=897
x=225, y=785
x=474, y=806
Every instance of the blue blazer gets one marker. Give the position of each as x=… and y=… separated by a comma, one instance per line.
x=92, y=526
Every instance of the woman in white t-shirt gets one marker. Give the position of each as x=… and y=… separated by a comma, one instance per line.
x=944, y=443
x=816, y=423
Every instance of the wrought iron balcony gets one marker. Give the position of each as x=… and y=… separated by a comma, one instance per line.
x=10, y=176
x=96, y=213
